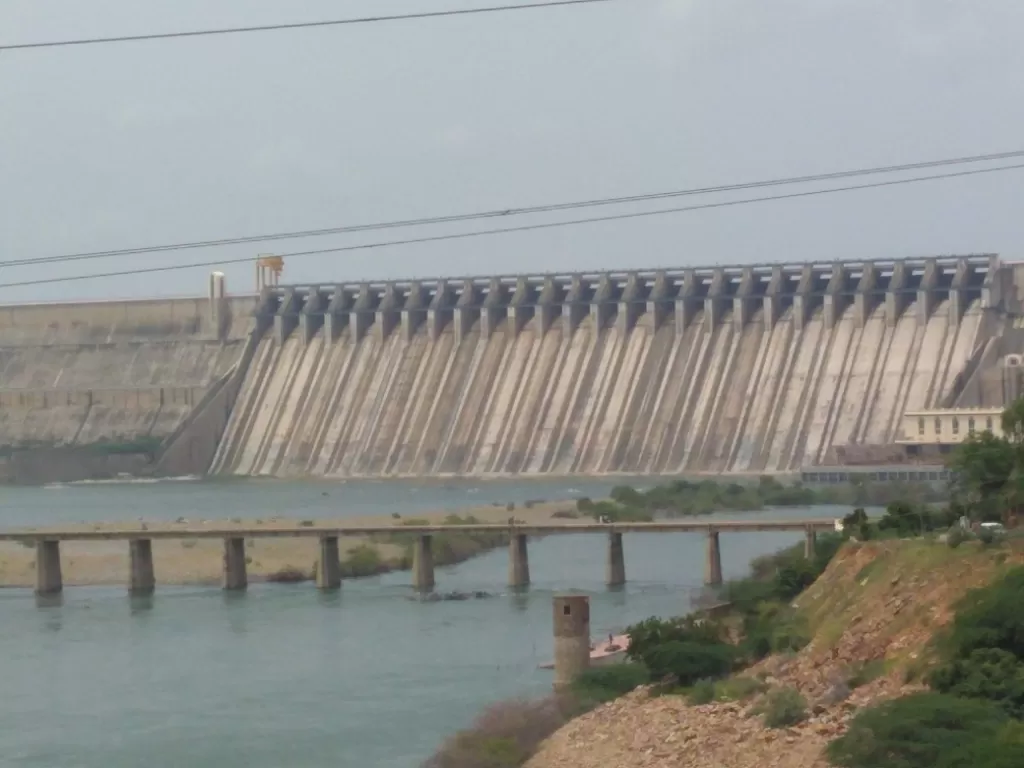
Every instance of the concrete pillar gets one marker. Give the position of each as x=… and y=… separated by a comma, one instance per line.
x=571, y=614
x=142, y=580
x=616, y=576
x=810, y=541
x=328, y=570
x=234, y=564
x=423, y=563
x=48, y=575
x=713, y=566
x=518, y=561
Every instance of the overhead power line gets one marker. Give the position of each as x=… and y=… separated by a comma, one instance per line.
x=499, y=213
x=521, y=228
x=299, y=25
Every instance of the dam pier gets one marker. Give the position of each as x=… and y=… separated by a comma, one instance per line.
x=142, y=571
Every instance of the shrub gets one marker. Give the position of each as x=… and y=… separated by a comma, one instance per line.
x=565, y=514
x=915, y=731
x=956, y=537
x=597, y=685
x=686, y=663
x=789, y=634
x=1003, y=751
x=650, y=633
x=783, y=708
x=289, y=575
x=627, y=495
x=702, y=692
x=990, y=617
x=504, y=736
x=989, y=673
x=739, y=688
x=866, y=672
x=362, y=560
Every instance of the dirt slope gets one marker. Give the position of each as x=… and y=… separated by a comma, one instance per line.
x=876, y=601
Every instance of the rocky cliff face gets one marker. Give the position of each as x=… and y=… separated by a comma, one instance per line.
x=876, y=606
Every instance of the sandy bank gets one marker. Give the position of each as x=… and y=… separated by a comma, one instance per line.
x=198, y=561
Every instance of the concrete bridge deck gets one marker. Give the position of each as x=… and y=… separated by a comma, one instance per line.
x=49, y=579
x=145, y=531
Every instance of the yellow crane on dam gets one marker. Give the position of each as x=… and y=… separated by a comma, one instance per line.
x=268, y=270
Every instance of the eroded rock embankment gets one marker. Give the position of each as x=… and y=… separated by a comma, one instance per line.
x=872, y=614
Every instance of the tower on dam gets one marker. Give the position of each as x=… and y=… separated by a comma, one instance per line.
x=760, y=368
x=757, y=368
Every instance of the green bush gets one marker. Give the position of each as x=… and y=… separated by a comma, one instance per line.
x=1005, y=750
x=646, y=635
x=702, y=692
x=739, y=688
x=362, y=560
x=915, y=731
x=866, y=672
x=783, y=708
x=597, y=685
x=686, y=663
x=988, y=673
x=989, y=617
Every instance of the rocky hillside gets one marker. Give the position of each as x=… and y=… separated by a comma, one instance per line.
x=871, y=615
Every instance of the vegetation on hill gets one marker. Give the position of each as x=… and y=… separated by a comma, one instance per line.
x=972, y=716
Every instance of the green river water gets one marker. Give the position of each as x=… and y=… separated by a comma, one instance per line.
x=285, y=677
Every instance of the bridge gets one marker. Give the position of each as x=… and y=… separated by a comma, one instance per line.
x=140, y=538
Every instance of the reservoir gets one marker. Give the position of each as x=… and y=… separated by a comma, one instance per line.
x=286, y=677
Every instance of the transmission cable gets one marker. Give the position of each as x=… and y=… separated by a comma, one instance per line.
x=298, y=25
x=499, y=213
x=521, y=228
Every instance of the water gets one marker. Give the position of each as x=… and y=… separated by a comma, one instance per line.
x=285, y=677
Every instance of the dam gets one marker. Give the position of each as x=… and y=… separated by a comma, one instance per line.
x=745, y=369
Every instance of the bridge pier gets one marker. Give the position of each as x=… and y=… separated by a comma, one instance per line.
x=616, y=574
x=518, y=562
x=713, y=564
x=328, y=571
x=810, y=542
x=48, y=575
x=572, y=638
x=423, y=563
x=141, y=579
x=235, y=577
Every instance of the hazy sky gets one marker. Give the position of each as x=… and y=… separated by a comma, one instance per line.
x=137, y=144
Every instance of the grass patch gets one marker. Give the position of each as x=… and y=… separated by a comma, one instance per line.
x=865, y=673
x=604, y=683
x=783, y=708
x=739, y=688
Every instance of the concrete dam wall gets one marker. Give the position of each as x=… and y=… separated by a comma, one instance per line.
x=88, y=373
x=745, y=369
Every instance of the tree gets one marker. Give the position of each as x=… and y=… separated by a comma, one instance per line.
x=983, y=465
